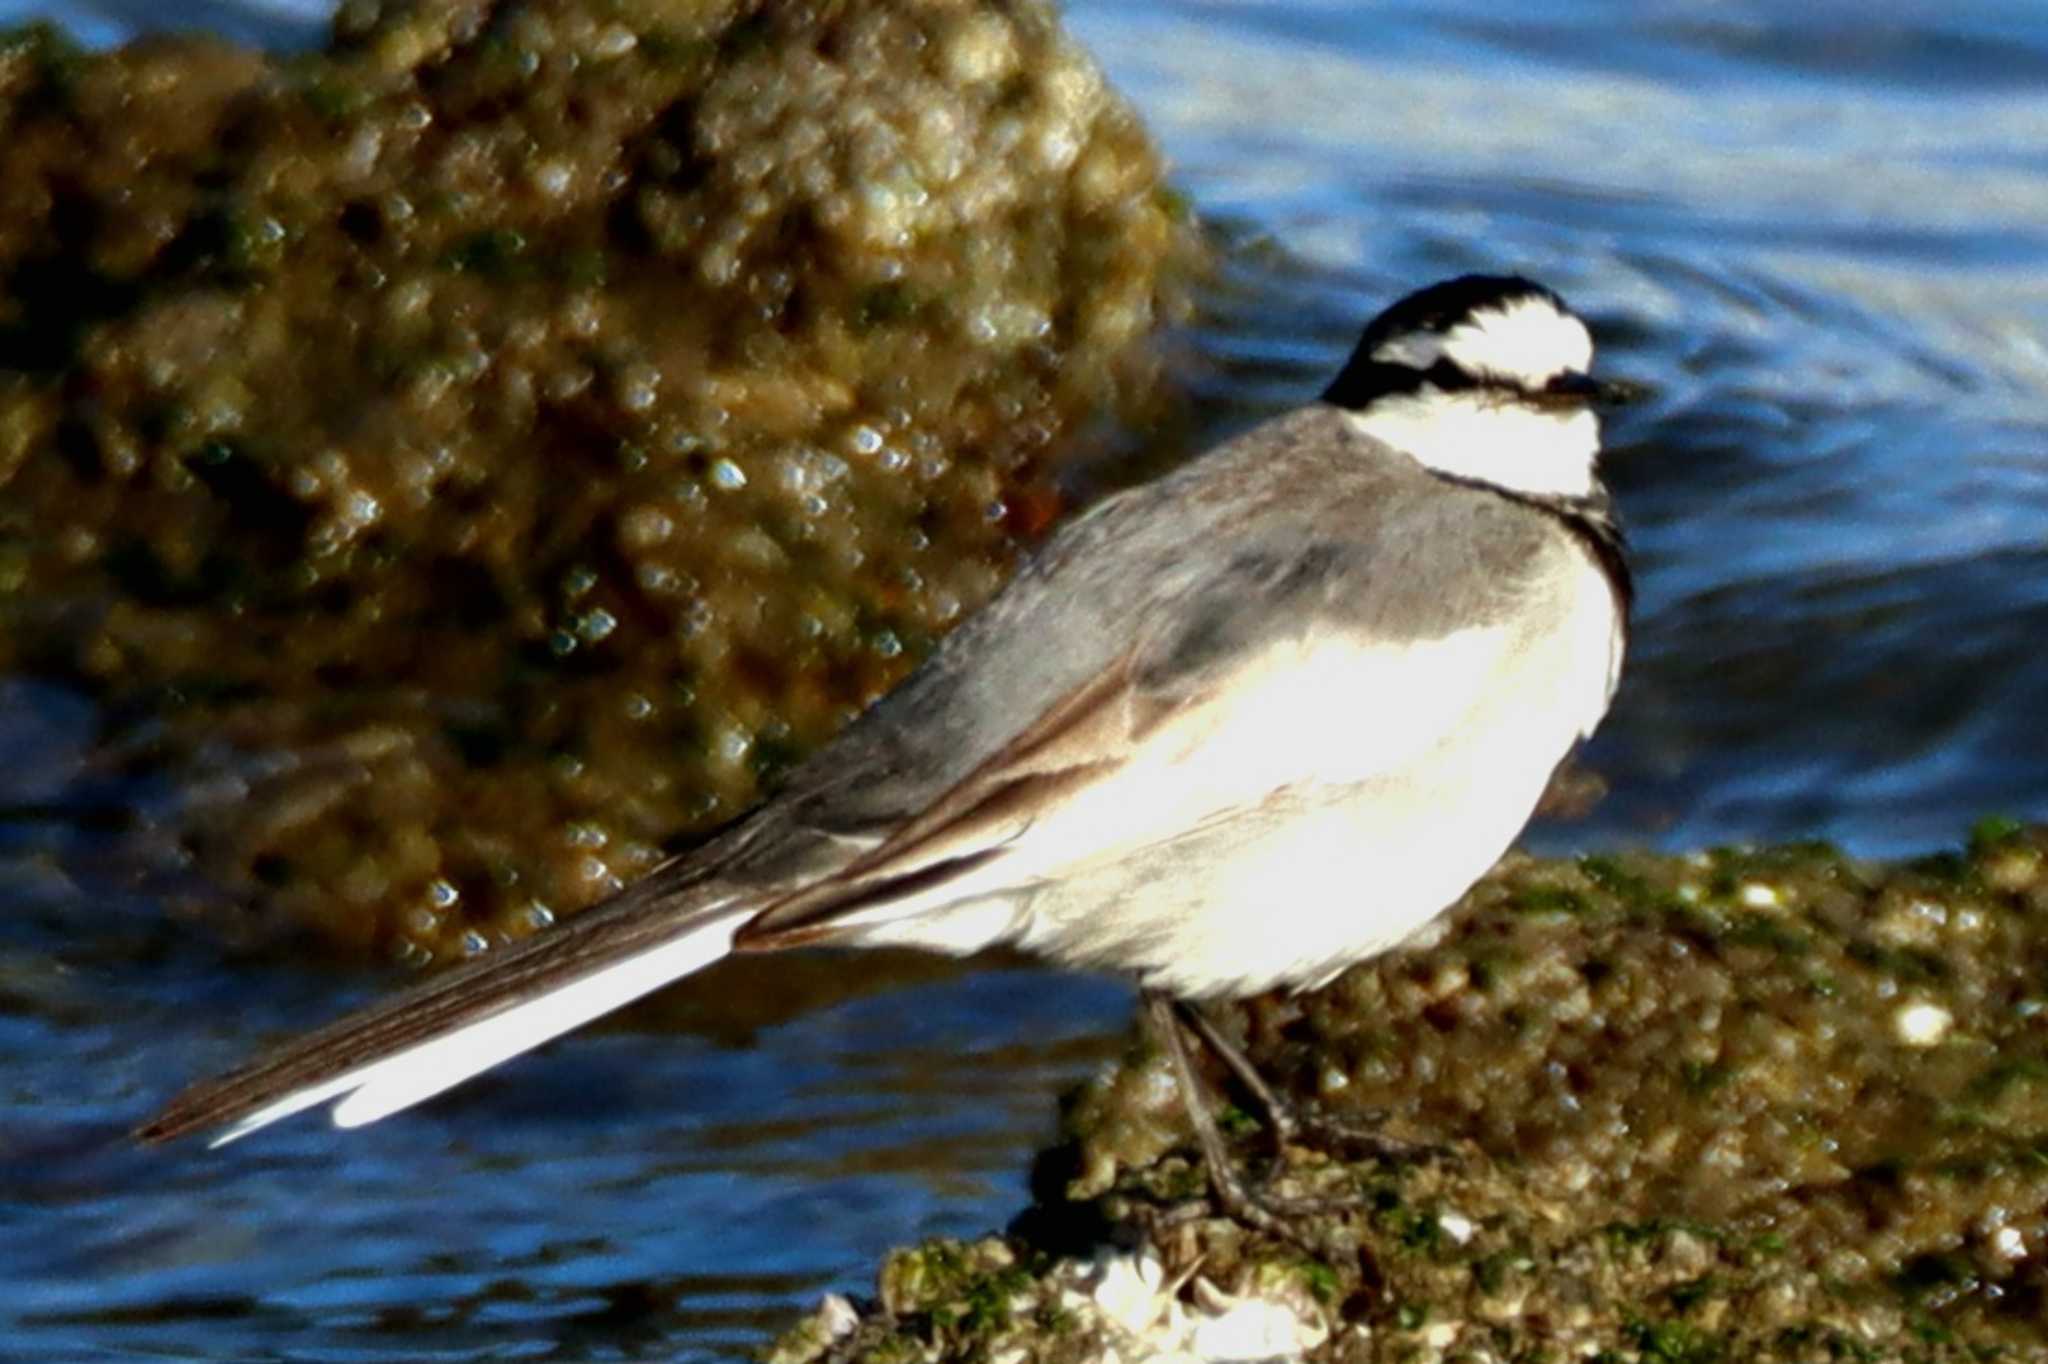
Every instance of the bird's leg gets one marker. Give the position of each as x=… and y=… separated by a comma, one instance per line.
x=1280, y=1116
x=1255, y=1208
x=1231, y=1194
x=1284, y=1120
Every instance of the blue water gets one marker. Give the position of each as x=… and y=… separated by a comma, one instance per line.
x=1817, y=234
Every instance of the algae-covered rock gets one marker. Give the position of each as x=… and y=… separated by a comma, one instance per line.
x=482, y=450
x=1744, y=1105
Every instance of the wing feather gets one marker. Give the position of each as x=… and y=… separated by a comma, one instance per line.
x=1247, y=605
x=1076, y=738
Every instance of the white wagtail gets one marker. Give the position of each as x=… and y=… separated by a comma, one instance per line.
x=1234, y=730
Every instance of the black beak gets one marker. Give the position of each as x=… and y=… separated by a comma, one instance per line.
x=1572, y=389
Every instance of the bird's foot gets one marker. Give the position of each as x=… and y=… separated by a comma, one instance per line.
x=1361, y=1138
x=1314, y=1224
x=1290, y=1217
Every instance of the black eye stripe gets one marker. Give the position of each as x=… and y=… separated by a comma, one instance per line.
x=1364, y=382
x=1451, y=379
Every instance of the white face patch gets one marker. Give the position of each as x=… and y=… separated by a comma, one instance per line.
x=1527, y=341
x=1489, y=436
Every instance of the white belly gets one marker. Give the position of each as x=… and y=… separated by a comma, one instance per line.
x=1313, y=882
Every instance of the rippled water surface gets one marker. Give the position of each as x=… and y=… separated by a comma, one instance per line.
x=1817, y=233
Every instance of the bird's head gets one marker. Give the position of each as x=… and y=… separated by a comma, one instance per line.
x=1484, y=377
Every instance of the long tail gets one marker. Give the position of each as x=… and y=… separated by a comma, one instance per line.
x=421, y=1041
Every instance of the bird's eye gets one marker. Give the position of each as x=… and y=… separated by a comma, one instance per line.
x=1447, y=377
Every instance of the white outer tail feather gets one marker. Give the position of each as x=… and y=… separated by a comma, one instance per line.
x=399, y=1081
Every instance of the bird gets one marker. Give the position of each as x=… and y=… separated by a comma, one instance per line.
x=1227, y=732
